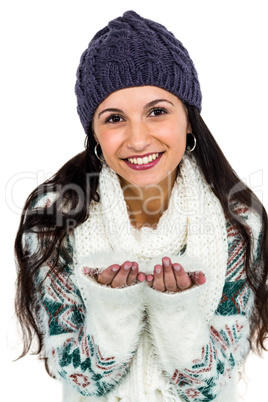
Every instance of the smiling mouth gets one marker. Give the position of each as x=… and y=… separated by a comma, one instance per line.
x=144, y=160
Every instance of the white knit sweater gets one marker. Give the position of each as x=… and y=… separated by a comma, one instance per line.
x=137, y=344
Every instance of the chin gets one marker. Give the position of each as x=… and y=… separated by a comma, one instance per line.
x=145, y=182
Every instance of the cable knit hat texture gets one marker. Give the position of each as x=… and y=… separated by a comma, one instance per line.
x=133, y=51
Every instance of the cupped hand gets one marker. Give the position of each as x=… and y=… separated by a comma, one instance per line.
x=118, y=276
x=172, y=277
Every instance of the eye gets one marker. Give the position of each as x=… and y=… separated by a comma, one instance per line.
x=157, y=111
x=114, y=118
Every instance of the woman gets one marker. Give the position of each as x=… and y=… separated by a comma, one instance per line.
x=143, y=260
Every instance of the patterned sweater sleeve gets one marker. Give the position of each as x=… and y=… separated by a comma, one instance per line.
x=85, y=341
x=199, y=357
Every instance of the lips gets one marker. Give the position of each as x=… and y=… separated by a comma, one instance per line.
x=143, y=162
x=139, y=160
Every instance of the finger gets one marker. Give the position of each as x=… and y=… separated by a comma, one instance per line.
x=198, y=277
x=141, y=277
x=106, y=276
x=169, y=277
x=150, y=279
x=158, y=282
x=183, y=280
x=133, y=273
x=120, y=278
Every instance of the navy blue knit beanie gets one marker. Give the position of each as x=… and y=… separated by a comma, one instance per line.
x=133, y=51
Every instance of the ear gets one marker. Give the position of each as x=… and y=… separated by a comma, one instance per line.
x=189, y=128
x=93, y=132
x=96, y=138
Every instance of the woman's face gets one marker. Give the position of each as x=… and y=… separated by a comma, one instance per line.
x=142, y=133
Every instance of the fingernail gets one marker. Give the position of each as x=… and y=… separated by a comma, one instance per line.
x=142, y=278
x=150, y=277
x=166, y=262
x=127, y=265
x=134, y=266
x=177, y=267
x=115, y=268
x=158, y=269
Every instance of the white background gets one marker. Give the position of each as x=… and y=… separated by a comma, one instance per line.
x=41, y=44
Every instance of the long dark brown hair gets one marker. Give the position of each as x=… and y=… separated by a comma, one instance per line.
x=76, y=183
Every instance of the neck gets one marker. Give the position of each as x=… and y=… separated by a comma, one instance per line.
x=147, y=204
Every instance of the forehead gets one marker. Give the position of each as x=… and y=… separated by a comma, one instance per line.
x=136, y=95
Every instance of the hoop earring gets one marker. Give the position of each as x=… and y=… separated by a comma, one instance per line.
x=193, y=147
x=96, y=153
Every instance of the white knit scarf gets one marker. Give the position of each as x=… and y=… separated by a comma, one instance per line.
x=194, y=218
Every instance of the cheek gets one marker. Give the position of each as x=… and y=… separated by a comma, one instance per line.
x=110, y=143
x=175, y=138
x=110, y=146
x=173, y=130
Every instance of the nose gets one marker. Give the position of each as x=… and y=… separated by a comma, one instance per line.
x=138, y=137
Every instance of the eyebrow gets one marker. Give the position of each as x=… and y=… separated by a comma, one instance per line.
x=150, y=104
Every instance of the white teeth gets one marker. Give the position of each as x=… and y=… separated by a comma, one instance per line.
x=145, y=160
